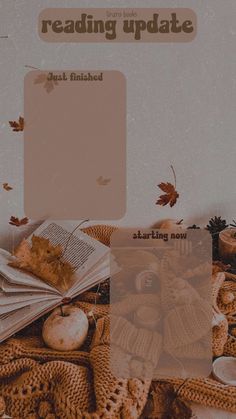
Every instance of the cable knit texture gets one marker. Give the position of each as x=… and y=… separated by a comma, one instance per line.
x=38, y=382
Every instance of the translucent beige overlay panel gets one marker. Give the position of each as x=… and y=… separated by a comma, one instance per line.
x=161, y=306
x=75, y=144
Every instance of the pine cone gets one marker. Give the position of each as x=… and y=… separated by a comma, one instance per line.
x=104, y=290
x=216, y=225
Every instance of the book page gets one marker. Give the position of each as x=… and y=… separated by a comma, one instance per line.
x=81, y=251
x=96, y=275
x=9, y=287
x=16, y=276
x=9, y=303
x=26, y=297
x=12, y=322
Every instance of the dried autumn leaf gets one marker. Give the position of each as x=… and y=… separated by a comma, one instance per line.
x=7, y=187
x=171, y=195
x=103, y=181
x=44, y=249
x=41, y=78
x=47, y=84
x=23, y=255
x=18, y=125
x=43, y=259
x=167, y=403
x=15, y=221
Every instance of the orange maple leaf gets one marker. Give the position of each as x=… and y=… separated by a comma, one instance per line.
x=6, y=186
x=47, y=84
x=171, y=195
x=18, y=125
x=44, y=260
x=103, y=181
x=15, y=221
x=22, y=254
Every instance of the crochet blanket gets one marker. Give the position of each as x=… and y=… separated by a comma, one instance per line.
x=37, y=382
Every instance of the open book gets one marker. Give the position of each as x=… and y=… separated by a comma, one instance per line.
x=25, y=297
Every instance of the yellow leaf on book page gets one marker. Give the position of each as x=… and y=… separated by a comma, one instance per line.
x=44, y=260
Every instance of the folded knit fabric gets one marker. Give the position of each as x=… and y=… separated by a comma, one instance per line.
x=138, y=342
x=66, y=385
x=230, y=346
x=114, y=394
x=206, y=392
x=226, y=299
x=39, y=382
x=36, y=382
x=219, y=333
x=101, y=233
x=187, y=318
x=176, y=291
x=184, y=328
x=220, y=323
x=82, y=388
x=132, y=302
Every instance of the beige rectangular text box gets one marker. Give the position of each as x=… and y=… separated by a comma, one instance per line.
x=75, y=154
x=117, y=25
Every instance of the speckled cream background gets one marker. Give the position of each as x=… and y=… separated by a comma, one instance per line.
x=180, y=108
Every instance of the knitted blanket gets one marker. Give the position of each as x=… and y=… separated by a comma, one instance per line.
x=37, y=382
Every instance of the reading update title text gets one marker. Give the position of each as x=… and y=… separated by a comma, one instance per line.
x=88, y=24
